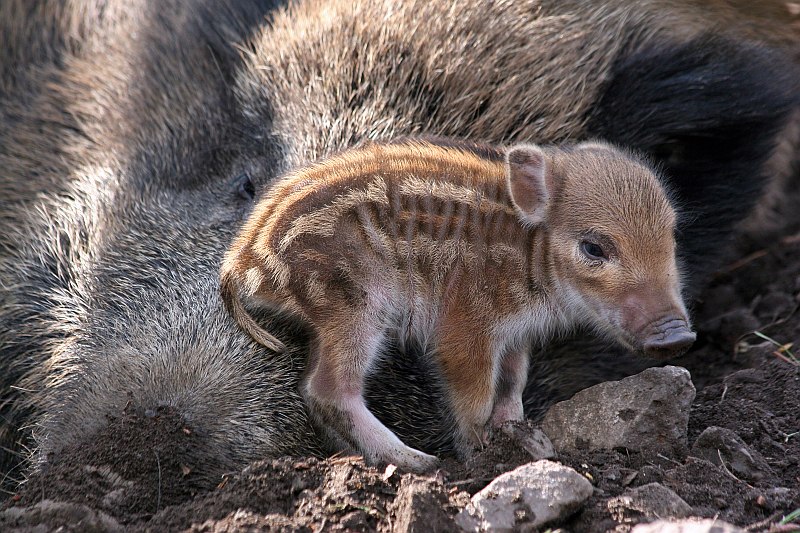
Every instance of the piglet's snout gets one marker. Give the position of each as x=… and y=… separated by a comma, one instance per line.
x=669, y=338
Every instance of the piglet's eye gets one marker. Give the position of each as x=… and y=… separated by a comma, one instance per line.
x=592, y=250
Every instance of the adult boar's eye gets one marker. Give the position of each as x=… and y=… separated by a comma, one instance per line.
x=244, y=187
x=593, y=251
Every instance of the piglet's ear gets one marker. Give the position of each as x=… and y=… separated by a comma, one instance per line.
x=527, y=173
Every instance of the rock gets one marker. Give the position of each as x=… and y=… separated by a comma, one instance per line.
x=354, y=521
x=645, y=412
x=650, y=501
x=511, y=445
x=531, y=439
x=721, y=445
x=526, y=498
x=49, y=515
x=419, y=506
x=779, y=497
x=687, y=526
x=242, y=520
x=648, y=474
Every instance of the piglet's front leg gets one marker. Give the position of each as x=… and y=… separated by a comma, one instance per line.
x=469, y=371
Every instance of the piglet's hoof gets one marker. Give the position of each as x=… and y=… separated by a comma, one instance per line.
x=412, y=460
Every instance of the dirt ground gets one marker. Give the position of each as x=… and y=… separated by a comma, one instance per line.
x=742, y=365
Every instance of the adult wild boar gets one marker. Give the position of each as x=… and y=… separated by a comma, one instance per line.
x=134, y=137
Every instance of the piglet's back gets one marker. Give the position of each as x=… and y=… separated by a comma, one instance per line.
x=408, y=206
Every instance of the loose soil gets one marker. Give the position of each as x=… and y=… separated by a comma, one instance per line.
x=137, y=473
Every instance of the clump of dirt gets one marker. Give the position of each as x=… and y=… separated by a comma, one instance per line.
x=306, y=494
x=501, y=454
x=140, y=470
x=291, y=493
x=138, y=464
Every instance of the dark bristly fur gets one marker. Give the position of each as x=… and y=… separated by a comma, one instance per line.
x=133, y=132
x=701, y=127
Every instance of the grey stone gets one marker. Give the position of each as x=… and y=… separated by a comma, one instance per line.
x=532, y=440
x=419, y=506
x=651, y=501
x=687, y=526
x=49, y=515
x=723, y=446
x=779, y=497
x=645, y=412
x=526, y=498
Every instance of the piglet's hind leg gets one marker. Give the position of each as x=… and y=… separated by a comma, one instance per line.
x=334, y=394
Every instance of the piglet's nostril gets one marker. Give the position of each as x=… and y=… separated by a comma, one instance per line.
x=671, y=339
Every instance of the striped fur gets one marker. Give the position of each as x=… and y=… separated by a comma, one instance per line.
x=471, y=254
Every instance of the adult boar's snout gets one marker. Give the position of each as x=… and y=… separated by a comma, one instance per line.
x=669, y=339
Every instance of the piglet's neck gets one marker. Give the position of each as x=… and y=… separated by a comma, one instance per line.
x=548, y=294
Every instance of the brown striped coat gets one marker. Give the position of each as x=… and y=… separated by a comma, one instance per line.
x=474, y=251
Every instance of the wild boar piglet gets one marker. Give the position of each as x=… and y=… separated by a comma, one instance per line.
x=476, y=252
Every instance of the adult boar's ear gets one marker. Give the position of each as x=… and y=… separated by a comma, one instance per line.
x=527, y=174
